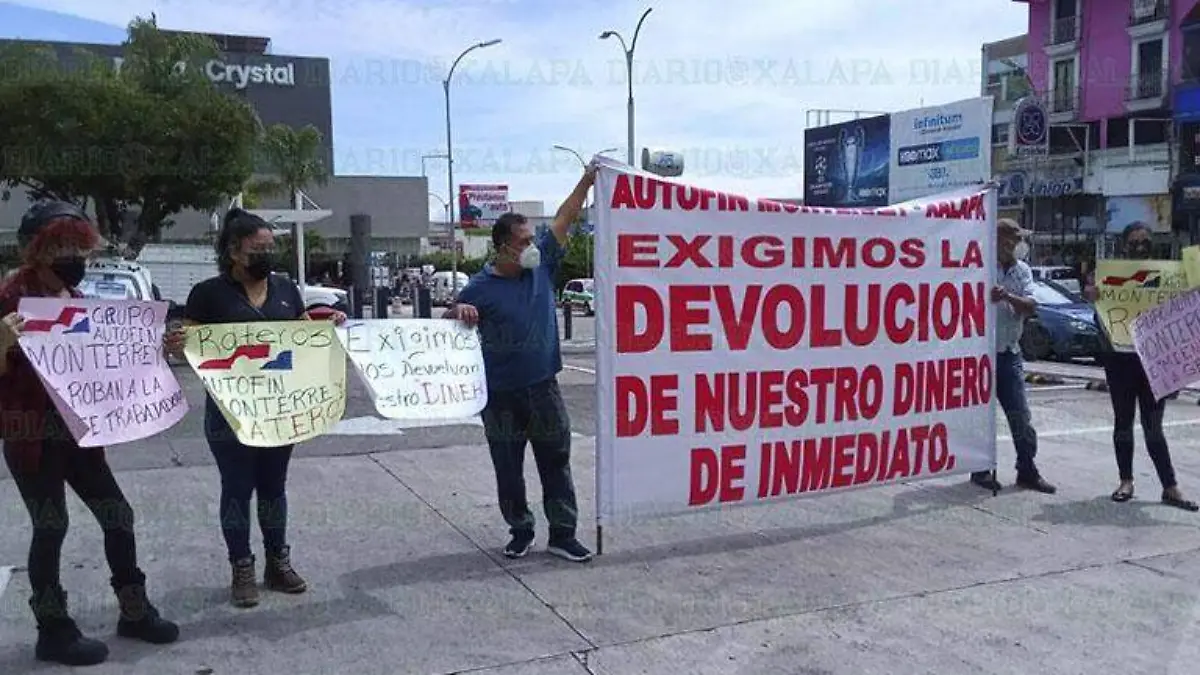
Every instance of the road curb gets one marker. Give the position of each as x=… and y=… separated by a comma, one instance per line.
x=1040, y=378
x=577, y=347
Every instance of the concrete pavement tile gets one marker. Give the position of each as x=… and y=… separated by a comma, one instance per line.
x=558, y=665
x=394, y=588
x=1114, y=619
x=709, y=568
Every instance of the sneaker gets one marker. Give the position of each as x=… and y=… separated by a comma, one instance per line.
x=519, y=545
x=569, y=549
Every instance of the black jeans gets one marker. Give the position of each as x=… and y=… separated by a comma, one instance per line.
x=244, y=472
x=42, y=485
x=1129, y=389
x=537, y=416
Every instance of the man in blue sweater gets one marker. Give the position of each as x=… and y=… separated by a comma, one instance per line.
x=512, y=300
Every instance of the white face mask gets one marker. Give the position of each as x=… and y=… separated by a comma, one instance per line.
x=1021, y=251
x=530, y=258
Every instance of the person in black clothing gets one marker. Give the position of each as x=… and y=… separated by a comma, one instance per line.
x=44, y=458
x=247, y=292
x=1129, y=389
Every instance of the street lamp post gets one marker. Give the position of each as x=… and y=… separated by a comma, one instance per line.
x=450, y=164
x=629, y=72
x=583, y=164
x=433, y=156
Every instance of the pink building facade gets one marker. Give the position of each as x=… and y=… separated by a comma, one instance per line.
x=1105, y=62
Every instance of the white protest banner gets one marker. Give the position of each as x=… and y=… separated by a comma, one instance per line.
x=102, y=363
x=5, y=575
x=754, y=350
x=418, y=369
x=277, y=383
x=1167, y=340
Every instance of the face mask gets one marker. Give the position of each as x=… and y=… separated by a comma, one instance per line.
x=69, y=269
x=1021, y=250
x=1139, y=250
x=530, y=258
x=259, y=265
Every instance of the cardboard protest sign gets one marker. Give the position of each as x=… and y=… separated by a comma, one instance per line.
x=418, y=369
x=1167, y=339
x=103, y=365
x=277, y=383
x=1127, y=288
x=751, y=350
x=1191, y=265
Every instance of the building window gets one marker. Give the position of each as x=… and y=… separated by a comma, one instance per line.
x=1000, y=134
x=1064, y=21
x=1148, y=68
x=1191, y=54
x=1062, y=86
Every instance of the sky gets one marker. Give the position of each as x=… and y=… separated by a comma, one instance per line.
x=731, y=86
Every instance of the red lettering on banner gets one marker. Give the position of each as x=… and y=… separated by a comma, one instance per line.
x=644, y=193
x=764, y=251
x=773, y=399
x=640, y=406
x=845, y=460
x=971, y=208
x=943, y=312
x=972, y=258
x=934, y=386
x=718, y=477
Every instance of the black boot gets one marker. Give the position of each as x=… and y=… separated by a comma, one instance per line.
x=59, y=639
x=139, y=619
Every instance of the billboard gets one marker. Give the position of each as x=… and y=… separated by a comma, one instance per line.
x=290, y=90
x=846, y=165
x=940, y=148
x=481, y=205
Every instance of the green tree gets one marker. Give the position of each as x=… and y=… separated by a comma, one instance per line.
x=293, y=160
x=577, y=261
x=140, y=143
x=314, y=244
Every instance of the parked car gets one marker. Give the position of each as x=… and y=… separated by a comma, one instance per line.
x=1062, y=327
x=325, y=299
x=580, y=294
x=1063, y=276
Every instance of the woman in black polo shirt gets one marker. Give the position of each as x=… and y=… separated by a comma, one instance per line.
x=247, y=292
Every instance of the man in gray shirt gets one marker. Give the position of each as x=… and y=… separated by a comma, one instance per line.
x=1013, y=294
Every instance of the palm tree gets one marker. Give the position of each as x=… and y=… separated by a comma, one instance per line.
x=293, y=160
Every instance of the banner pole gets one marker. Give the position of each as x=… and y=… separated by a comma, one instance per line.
x=599, y=538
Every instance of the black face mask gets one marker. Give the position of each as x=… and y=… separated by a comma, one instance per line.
x=1139, y=250
x=260, y=264
x=69, y=269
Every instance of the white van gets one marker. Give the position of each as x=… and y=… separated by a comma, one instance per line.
x=442, y=287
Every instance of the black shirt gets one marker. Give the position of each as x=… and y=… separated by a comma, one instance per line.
x=223, y=300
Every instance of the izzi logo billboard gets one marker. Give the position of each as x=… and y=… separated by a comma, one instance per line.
x=240, y=75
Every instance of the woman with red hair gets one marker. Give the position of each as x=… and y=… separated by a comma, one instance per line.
x=43, y=458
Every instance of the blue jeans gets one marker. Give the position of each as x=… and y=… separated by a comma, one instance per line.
x=535, y=416
x=1010, y=391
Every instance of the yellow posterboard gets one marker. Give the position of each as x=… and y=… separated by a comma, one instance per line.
x=1191, y=265
x=1129, y=287
x=276, y=383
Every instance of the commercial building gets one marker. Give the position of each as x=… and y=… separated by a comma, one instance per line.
x=1043, y=190
x=1103, y=70
x=291, y=90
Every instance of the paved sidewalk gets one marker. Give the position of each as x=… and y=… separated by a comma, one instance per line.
x=401, y=551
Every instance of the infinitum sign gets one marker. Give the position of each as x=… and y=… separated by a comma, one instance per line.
x=240, y=75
